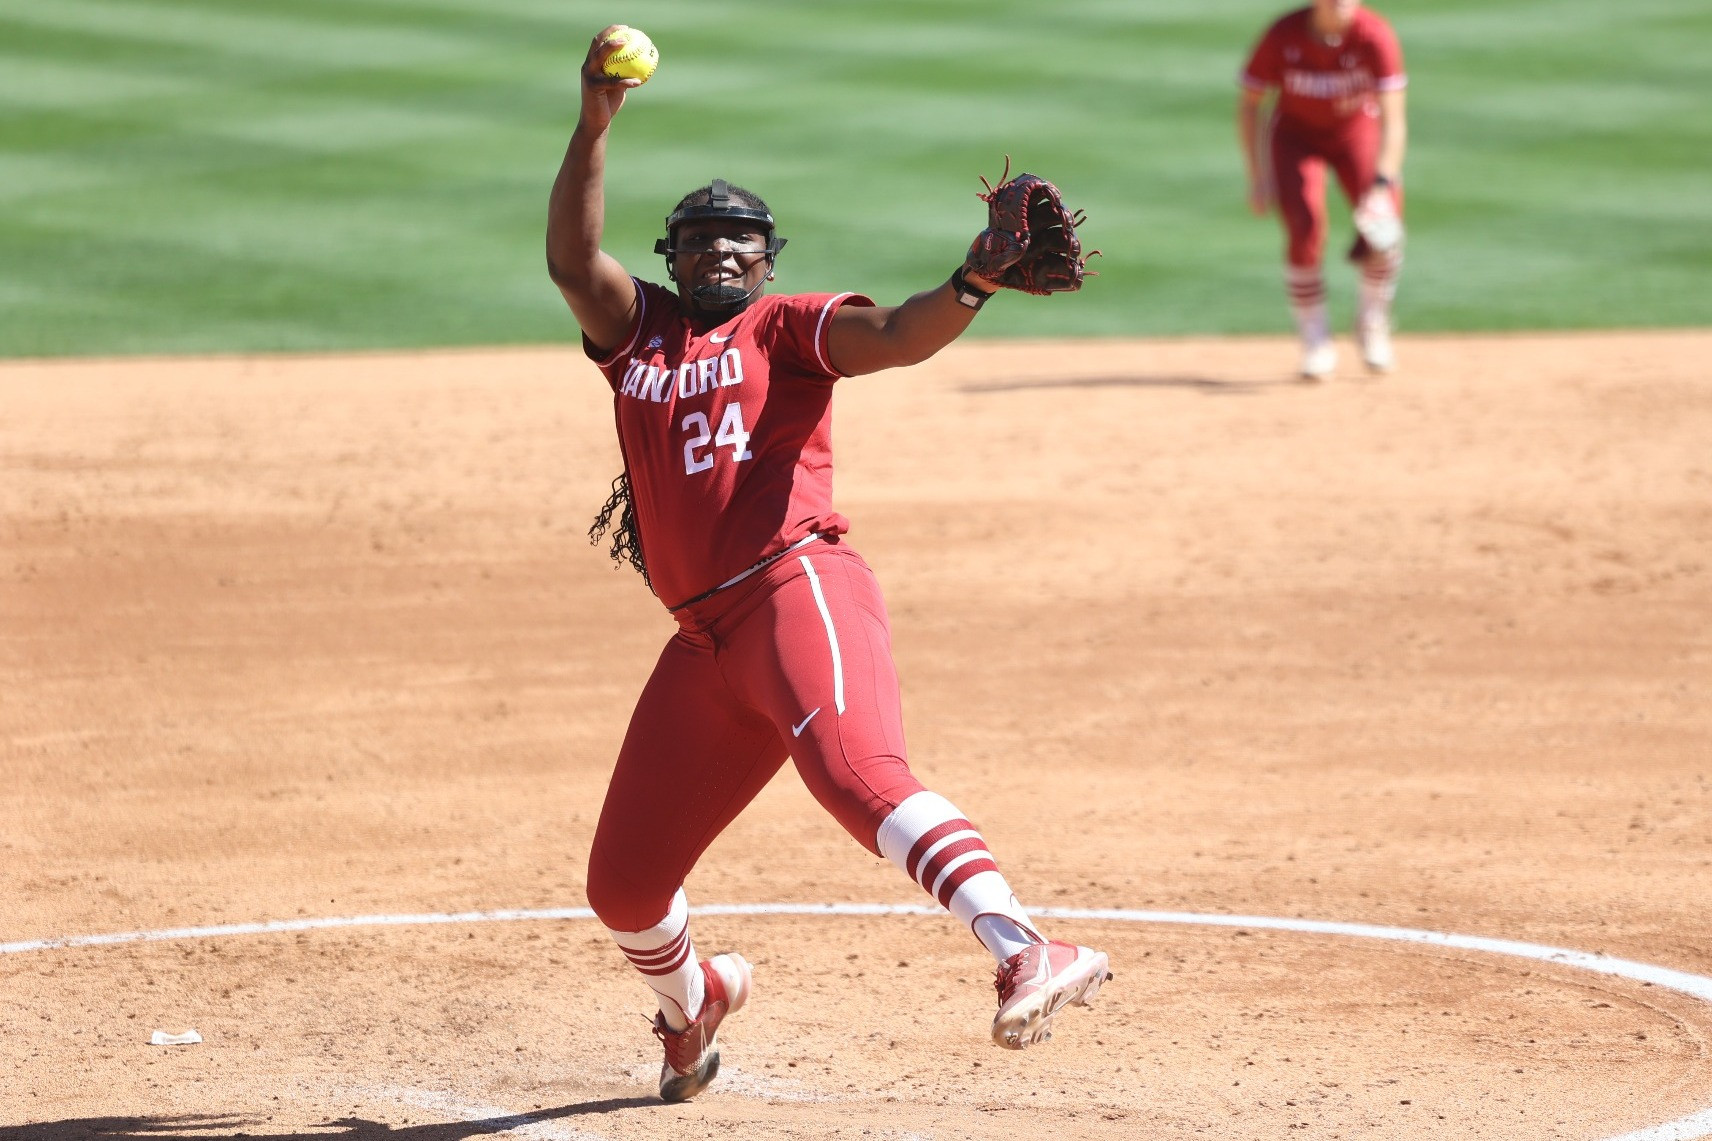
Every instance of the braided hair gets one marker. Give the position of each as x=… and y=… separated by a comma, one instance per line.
x=626, y=543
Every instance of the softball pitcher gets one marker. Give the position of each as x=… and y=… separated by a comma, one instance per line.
x=722, y=401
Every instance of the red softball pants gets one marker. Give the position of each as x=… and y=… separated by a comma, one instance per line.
x=794, y=661
x=1299, y=161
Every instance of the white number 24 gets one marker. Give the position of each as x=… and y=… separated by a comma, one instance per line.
x=731, y=435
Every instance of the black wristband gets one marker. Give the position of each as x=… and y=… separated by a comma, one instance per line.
x=1381, y=180
x=967, y=294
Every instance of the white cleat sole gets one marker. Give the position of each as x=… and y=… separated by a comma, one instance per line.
x=676, y=1087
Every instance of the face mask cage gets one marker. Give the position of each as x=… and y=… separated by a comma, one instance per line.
x=720, y=205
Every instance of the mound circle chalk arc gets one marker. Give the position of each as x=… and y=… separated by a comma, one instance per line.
x=1689, y=1128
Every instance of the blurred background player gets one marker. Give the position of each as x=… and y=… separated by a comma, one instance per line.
x=1337, y=70
x=722, y=398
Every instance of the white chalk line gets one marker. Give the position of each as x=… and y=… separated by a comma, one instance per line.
x=1698, y=986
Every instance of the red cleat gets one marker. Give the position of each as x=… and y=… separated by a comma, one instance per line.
x=692, y=1054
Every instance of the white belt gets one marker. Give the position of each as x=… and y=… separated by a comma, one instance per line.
x=802, y=542
x=739, y=577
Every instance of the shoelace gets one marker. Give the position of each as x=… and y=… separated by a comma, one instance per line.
x=675, y=1052
x=685, y=1047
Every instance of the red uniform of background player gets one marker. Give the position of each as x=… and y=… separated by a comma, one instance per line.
x=1338, y=73
x=722, y=400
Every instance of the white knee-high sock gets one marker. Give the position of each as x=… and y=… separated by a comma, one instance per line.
x=1379, y=273
x=940, y=850
x=667, y=959
x=1306, y=287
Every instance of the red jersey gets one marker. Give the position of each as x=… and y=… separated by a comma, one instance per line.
x=726, y=435
x=1324, y=83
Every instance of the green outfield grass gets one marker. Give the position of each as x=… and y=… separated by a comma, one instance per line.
x=202, y=175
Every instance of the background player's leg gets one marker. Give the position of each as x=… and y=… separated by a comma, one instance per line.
x=692, y=759
x=1300, y=180
x=1378, y=269
x=1379, y=273
x=1306, y=286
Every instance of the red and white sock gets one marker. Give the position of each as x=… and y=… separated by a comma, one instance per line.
x=667, y=959
x=1306, y=287
x=940, y=850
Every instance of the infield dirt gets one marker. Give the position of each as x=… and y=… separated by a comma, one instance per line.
x=323, y=636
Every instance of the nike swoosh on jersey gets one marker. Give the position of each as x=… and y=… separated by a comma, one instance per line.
x=796, y=730
x=719, y=340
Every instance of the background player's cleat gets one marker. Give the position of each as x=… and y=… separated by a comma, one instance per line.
x=1374, y=335
x=1036, y=983
x=692, y=1054
x=1318, y=360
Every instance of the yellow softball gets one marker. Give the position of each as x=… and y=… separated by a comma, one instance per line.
x=636, y=58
